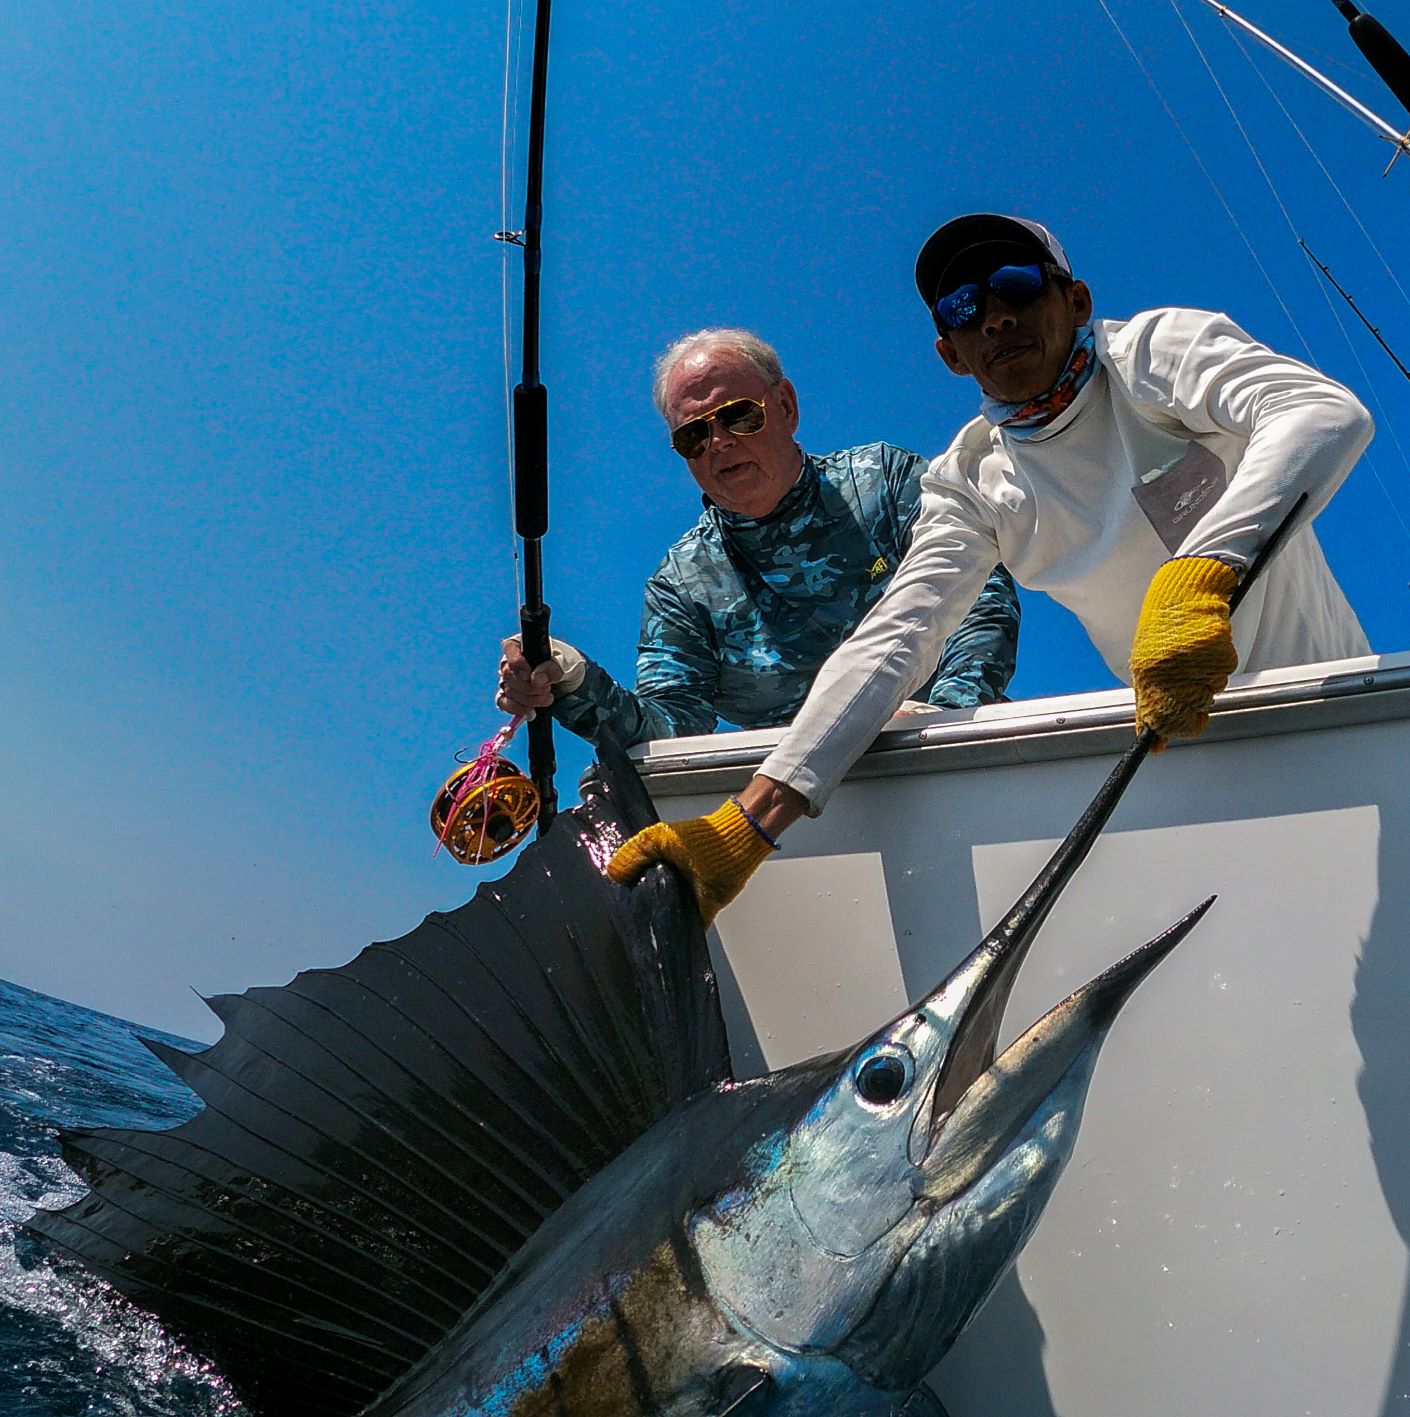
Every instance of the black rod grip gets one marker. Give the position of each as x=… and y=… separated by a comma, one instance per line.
x=533, y=633
x=531, y=461
x=543, y=765
x=543, y=760
x=1385, y=53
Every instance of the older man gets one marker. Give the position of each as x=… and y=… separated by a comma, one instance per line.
x=1130, y=469
x=791, y=550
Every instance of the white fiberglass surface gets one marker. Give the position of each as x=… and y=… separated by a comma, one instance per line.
x=1222, y=1231
x=1230, y=1229
x=811, y=949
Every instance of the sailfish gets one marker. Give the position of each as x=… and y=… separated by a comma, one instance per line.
x=500, y=1167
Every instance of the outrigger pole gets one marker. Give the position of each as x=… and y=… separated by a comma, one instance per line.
x=1401, y=141
x=531, y=436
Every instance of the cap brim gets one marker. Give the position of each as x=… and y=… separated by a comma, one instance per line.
x=967, y=235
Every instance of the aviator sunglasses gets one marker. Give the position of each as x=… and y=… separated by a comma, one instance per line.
x=741, y=416
x=963, y=307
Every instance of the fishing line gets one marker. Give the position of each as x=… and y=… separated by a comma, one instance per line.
x=1351, y=72
x=1253, y=152
x=1208, y=177
x=1331, y=305
x=1253, y=253
x=487, y=806
x=1378, y=125
x=1317, y=158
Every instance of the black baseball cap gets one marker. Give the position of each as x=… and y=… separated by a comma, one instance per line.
x=960, y=244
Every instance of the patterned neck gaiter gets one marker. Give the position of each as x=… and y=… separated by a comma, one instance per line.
x=1022, y=420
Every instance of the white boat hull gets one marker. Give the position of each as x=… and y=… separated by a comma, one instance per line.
x=1230, y=1233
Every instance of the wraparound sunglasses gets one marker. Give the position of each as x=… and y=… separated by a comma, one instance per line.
x=963, y=307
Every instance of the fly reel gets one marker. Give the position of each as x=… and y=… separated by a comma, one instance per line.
x=485, y=809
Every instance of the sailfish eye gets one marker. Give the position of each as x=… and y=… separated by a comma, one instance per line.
x=884, y=1075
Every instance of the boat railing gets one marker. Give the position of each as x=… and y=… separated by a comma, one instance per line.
x=1299, y=698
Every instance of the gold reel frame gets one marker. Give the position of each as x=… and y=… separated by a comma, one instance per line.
x=492, y=818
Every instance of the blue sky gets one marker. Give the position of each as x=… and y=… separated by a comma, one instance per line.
x=256, y=557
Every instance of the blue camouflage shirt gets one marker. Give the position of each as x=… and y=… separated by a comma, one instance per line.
x=741, y=614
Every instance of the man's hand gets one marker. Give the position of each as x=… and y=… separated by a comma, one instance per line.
x=717, y=853
x=1183, y=652
x=524, y=687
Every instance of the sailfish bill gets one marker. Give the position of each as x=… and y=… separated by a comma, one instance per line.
x=1066, y=1039
x=501, y=1167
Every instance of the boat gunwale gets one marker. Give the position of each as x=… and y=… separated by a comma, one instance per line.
x=1301, y=698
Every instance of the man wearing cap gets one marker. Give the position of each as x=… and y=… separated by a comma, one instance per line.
x=790, y=552
x=1130, y=469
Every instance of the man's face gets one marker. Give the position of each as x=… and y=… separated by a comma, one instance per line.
x=748, y=474
x=1017, y=352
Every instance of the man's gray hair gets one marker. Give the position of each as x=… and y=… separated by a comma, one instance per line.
x=762, y=355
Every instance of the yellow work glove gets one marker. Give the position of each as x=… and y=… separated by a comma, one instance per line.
x=1183, y=652
x=717, y=854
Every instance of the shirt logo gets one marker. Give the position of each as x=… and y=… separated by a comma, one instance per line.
x=1176, y=495
x=879, y=567
x=1192, y=500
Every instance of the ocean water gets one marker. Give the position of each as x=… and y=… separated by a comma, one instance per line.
x=69, y=1345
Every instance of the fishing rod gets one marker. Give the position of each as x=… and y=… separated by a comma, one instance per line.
x=487, y=806
x=1356, y=309
x=1385, y=54
x=531, y=437
x=1400, y=140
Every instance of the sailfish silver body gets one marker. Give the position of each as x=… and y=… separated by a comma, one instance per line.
x=647, y=1308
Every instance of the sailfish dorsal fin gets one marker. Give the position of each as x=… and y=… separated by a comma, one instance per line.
x=379, y=1139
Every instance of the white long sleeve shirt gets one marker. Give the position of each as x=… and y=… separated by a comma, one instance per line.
x=1190, y=439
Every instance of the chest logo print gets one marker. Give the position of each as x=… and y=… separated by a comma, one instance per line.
x=1192, y=500
x=879, y=567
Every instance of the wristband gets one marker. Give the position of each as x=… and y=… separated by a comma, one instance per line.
x=754, y=822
